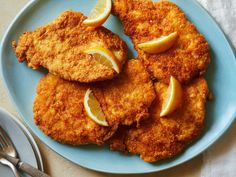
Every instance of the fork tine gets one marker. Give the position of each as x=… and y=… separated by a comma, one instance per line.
x=7, y=144
x=5, y=137
x=1, y=146
x=2, y=141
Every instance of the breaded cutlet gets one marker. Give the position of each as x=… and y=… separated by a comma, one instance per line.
x=145, y=20
x=60, y=47
x=59, y=111
x=160, y=138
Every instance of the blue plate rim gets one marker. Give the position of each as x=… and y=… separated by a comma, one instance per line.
x=210, y=143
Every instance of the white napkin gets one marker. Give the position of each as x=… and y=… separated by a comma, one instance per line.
x=224, y=12
x=220, y=159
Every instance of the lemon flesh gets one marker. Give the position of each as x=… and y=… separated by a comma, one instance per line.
x=173, y=97
x=93, y=108
x=99, y=14
x=159, y=45
x=104, y=57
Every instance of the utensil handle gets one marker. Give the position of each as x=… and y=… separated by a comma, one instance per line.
x=13, y=168
x=34, y=172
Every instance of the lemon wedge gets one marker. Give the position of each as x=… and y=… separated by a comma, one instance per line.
x=104, y=57
x=93, y=108
x=160, y=44
x=173, y=97
x=99, y=14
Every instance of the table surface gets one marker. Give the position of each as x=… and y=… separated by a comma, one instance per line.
x=57, y=166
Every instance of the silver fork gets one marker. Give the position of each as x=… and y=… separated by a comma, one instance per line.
x=8, y=147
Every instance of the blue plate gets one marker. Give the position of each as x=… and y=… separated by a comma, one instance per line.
x=221, y=75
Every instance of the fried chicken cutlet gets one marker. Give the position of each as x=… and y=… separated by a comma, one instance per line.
x=60, y=45
x=159, y=138
x=144, y=20
x=128, y=97
x=59, y=111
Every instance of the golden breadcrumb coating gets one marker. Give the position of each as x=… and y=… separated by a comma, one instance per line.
x=60, y=46
x=129, y=96
x=144, y=20
x=59, y=111
x=164, y=137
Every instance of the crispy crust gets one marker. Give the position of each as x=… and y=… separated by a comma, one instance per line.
x=59, y=47
x=145, y=20
x=129, y=95
x=59, y=111
x=160, y=138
